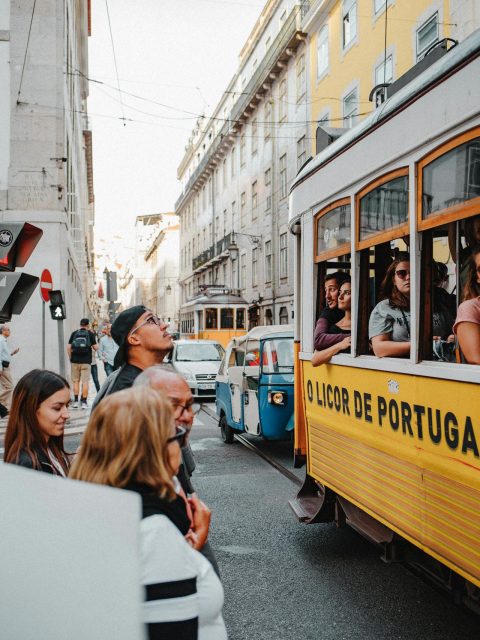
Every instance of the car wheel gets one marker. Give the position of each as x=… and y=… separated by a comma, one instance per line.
x=226, y=430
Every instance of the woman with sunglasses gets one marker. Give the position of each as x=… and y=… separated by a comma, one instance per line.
x=338, y=332
x=389, y=325
x=467, y=324
x=132, y=443
x=34, y=436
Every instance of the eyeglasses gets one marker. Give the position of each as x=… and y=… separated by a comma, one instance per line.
x=193, y=408
x=149, y=320
x=180, y=436
x=402, y=273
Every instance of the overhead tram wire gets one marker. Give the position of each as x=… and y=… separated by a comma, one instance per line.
x=115, y=60
x=26, y=51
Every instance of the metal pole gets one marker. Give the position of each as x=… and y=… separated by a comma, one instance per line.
x=43, y=334
x=61, y=347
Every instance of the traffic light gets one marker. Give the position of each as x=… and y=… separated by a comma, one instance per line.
x=57, y=305
x=17, y=242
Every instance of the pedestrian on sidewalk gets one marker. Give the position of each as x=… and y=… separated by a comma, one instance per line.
x=6, y=384
x=79, y=351
x=143, y=340
x=107, y=349
x=94, y=367
x=133, y=443
x=34, y=435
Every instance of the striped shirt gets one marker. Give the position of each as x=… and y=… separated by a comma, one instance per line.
x=183, y=595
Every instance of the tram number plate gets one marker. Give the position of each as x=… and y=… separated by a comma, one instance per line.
x=206, y=386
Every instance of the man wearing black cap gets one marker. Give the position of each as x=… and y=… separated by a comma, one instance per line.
x=143, y=340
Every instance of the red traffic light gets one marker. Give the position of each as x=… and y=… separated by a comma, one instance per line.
x=17, y=242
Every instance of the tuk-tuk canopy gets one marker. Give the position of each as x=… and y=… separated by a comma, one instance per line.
x=260, y=333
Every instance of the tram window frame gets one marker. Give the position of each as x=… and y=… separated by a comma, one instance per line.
x=207, y=324
x=226, y=313
x=342, y=249
x=465, y=209
x=393, y=233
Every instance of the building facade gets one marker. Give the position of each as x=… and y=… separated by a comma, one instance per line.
x=236, y=172
x=355, y=45
x=46, y=161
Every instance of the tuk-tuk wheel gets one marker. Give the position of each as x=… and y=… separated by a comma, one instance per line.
x=226, y=430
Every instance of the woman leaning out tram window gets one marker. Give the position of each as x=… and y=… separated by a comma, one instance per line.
x=340, y=330
x=467, y=324
x=389, y=325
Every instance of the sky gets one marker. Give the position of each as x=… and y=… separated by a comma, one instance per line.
x=181, y=53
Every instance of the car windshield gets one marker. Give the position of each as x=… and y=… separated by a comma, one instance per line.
x=278, y=356
x=199, y=352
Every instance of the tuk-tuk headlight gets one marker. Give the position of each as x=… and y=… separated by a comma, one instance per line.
x=277, y=397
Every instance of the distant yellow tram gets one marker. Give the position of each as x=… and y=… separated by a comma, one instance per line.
x=392, y=444
x=216, y=314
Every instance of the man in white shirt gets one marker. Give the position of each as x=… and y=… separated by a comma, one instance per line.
x=6, y=385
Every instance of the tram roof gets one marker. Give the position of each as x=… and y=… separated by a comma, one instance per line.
x=219, y=299
x=268, y=331
x=447, y=63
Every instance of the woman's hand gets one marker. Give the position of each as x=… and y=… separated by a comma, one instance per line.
x=201, y=520
x=346, y=343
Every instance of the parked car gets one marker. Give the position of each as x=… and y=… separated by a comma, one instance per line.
x=255, y=385
x=198, y=362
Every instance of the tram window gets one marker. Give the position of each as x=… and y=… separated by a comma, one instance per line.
x=211, y=321
x=226, y=318
x=240, y=317
x=374, y=264
x=451, y=179
x=383, y=208
x=332, y=230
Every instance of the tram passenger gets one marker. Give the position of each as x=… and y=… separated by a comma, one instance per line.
x=389, y=325
x=34, y=436
x=467, y=324
x=444, y=312
x=340, y=330
x=331, y=314
x=471, y=230
x=132, y=443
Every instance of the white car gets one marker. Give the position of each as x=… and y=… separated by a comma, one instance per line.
x=198, y=362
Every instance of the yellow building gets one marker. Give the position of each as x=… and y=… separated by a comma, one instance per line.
x=355, y=45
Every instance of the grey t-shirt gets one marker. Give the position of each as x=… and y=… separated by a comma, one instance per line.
x=387, y=319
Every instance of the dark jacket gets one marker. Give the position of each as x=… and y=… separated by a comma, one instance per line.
x=25, y=460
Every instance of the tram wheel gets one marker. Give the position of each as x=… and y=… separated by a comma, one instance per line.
x=226, y=430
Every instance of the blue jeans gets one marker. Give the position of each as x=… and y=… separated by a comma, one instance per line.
x=94, y=371
x=108, y=368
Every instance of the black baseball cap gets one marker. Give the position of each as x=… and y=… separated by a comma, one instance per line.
x=121, y=327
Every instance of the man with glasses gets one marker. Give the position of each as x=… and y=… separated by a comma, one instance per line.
x=143, y=341
x=164, y=379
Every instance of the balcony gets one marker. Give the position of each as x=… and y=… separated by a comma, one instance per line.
x=213, y=255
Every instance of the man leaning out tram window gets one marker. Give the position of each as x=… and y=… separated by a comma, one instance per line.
x=322, y=339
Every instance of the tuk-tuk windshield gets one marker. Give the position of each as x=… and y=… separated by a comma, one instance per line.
x=198, y=352
x=278, y=356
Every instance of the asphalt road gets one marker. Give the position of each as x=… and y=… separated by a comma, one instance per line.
x=284, y=580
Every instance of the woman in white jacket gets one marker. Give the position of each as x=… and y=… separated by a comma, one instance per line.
x=132, y=443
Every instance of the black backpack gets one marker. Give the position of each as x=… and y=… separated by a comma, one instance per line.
x=81, y=343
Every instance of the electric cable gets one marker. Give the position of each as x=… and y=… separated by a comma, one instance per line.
x=26, y=50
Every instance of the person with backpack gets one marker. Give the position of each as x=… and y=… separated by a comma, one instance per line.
x=79, y=350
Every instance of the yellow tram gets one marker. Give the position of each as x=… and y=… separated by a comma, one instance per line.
x=216, y=313
x=392, y=444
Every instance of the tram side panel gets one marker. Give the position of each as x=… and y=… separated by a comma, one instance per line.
x=411, y=464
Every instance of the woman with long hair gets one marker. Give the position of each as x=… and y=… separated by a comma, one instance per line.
x=339, y=332
x=132, y=443
x=467, y=324
x=39, y=411
x=389, y=325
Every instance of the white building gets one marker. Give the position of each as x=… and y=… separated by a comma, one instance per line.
x=46, y=160
x=237, y=169
x=156, y=271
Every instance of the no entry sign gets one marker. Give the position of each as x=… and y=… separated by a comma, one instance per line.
x=46, y=285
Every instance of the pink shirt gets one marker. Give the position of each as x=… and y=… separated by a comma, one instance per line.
x=468, y=311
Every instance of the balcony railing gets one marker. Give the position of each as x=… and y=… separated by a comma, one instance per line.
x=215, y=250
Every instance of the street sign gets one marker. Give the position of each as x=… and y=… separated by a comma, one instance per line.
x=46, y=285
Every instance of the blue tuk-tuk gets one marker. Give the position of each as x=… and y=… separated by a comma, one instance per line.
x=254, y=385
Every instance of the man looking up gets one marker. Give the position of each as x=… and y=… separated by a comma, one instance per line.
x=178, y=392
x=331, y=314
x=143, y=340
